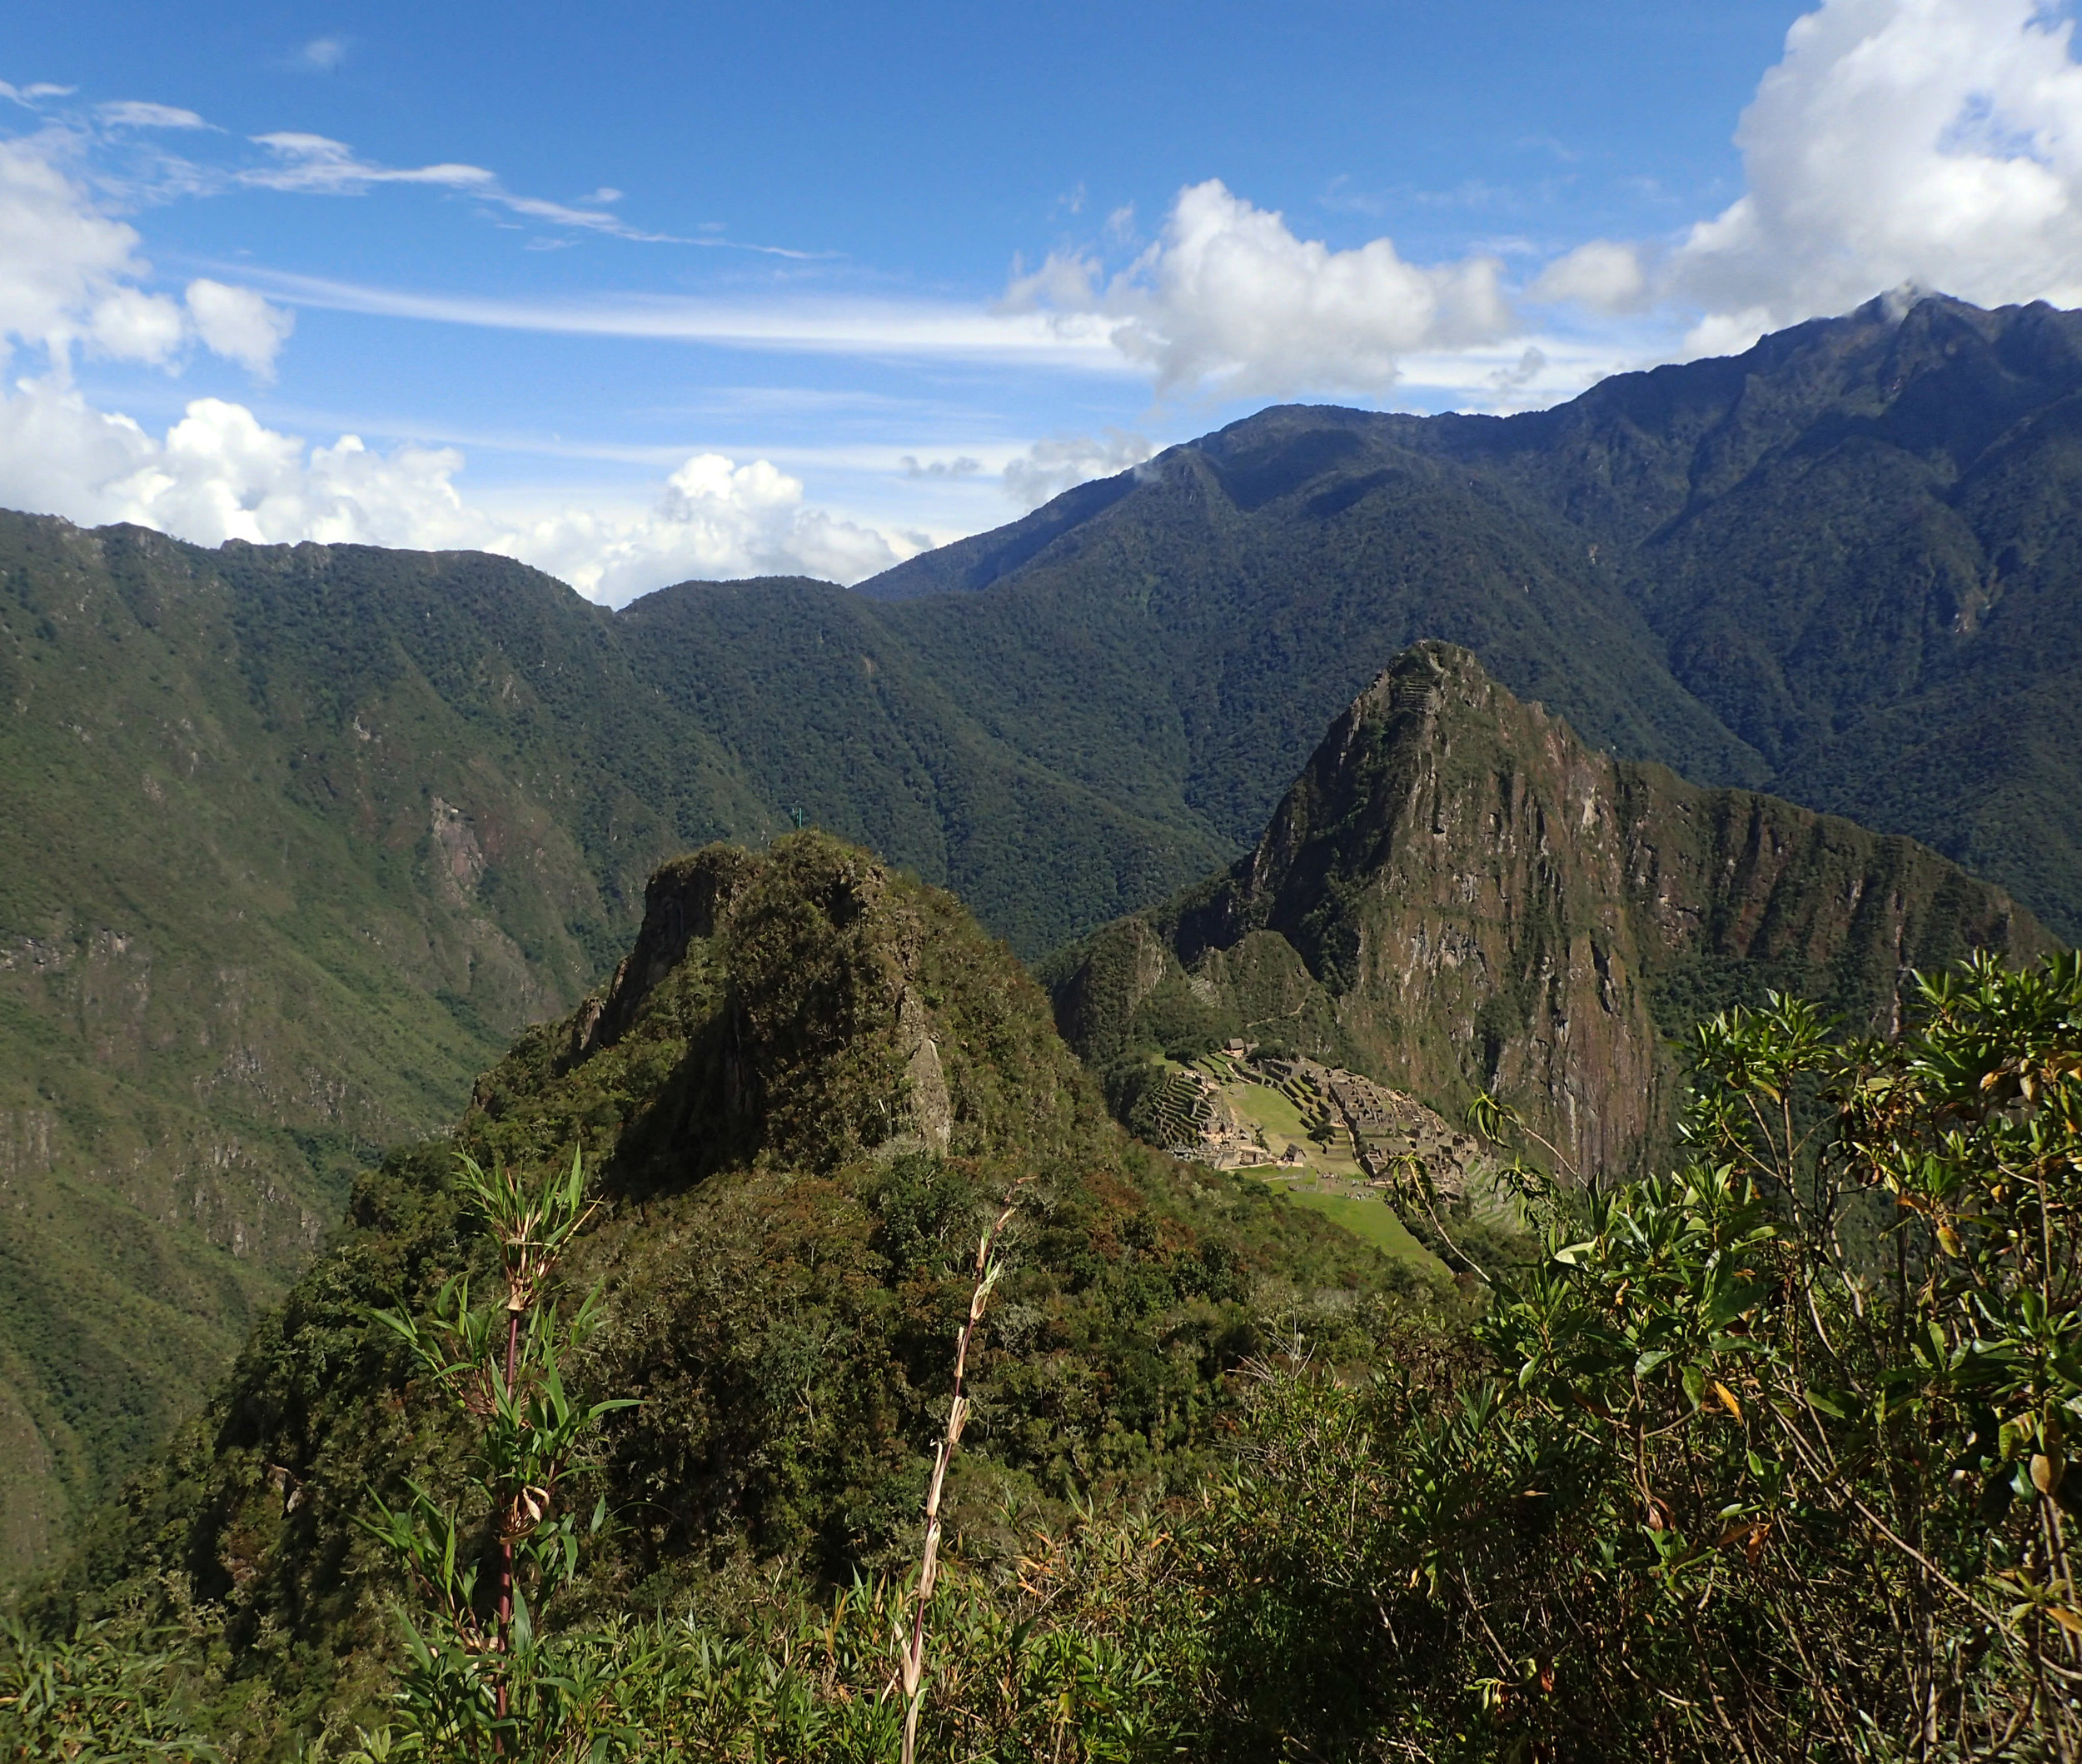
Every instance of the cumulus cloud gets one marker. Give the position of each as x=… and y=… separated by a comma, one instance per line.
x=1229, y=300
x=1606, y=275
x=1934, y=143
x=59, y=259
x=220, y=473
x=715, y=520
x=69, y=276
x=130, y=324
x=238, y=325
x=1049, y=467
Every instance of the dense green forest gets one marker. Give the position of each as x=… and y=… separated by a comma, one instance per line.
x=1762, y=1457
x=1840, y=565
x=302, y=836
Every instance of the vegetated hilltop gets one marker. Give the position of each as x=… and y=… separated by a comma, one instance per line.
x=1458, y=895
x=300, y=837
x=1841, y=565
x=802, y=1093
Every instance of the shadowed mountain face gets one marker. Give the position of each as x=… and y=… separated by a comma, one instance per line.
x=1457, y=895
x=799, y=1095
x=1854, y=549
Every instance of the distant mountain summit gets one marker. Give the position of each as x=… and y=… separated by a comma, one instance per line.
x=1843, y=564
x=1458, y=894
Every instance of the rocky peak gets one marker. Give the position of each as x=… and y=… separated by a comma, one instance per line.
x=820, y=1007
x=1481, y=901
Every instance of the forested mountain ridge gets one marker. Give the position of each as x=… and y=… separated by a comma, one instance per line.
x=1459, y=896
x=299, y=836
x=1854, y=547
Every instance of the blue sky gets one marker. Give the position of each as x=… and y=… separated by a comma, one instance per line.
x=640, y=293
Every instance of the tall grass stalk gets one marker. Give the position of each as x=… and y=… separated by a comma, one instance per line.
x=912, y=1666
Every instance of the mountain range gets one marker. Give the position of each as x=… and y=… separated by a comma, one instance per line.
x=301, y=838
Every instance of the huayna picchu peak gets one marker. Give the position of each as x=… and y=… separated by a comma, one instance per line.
x=1457, y=896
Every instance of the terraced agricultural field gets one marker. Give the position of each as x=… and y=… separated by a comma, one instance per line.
x=1281, y=1118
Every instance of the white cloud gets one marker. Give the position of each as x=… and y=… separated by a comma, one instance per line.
x=135, y=113
x=1228, y=300
x=716, y=521
x=220, y=473
x=1606, y=275
x=1932, y=143
x=316, y=165
x=69, y=274
x=238, y=325
x=59, y=259
x=323, y=53
x=902, y=329
x=1049, y=467
x=134, y=326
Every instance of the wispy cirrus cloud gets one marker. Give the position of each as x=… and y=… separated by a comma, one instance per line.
x=102, y=142
x=316, y=165
x=138, y=113
x=825, y=325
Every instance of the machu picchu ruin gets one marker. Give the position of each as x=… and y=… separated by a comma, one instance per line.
x=1281, y=1115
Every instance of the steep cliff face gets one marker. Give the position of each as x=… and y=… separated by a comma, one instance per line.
x=1457, y=894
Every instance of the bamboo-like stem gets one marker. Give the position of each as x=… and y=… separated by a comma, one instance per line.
x=912, y=1668
x=503, y=1641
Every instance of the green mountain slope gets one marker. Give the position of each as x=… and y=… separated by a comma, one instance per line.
x=799, y=1093
x=1196, y=633
x=277, y=890
x=300, y=837
x=1457, y=895
x=1841, y=564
